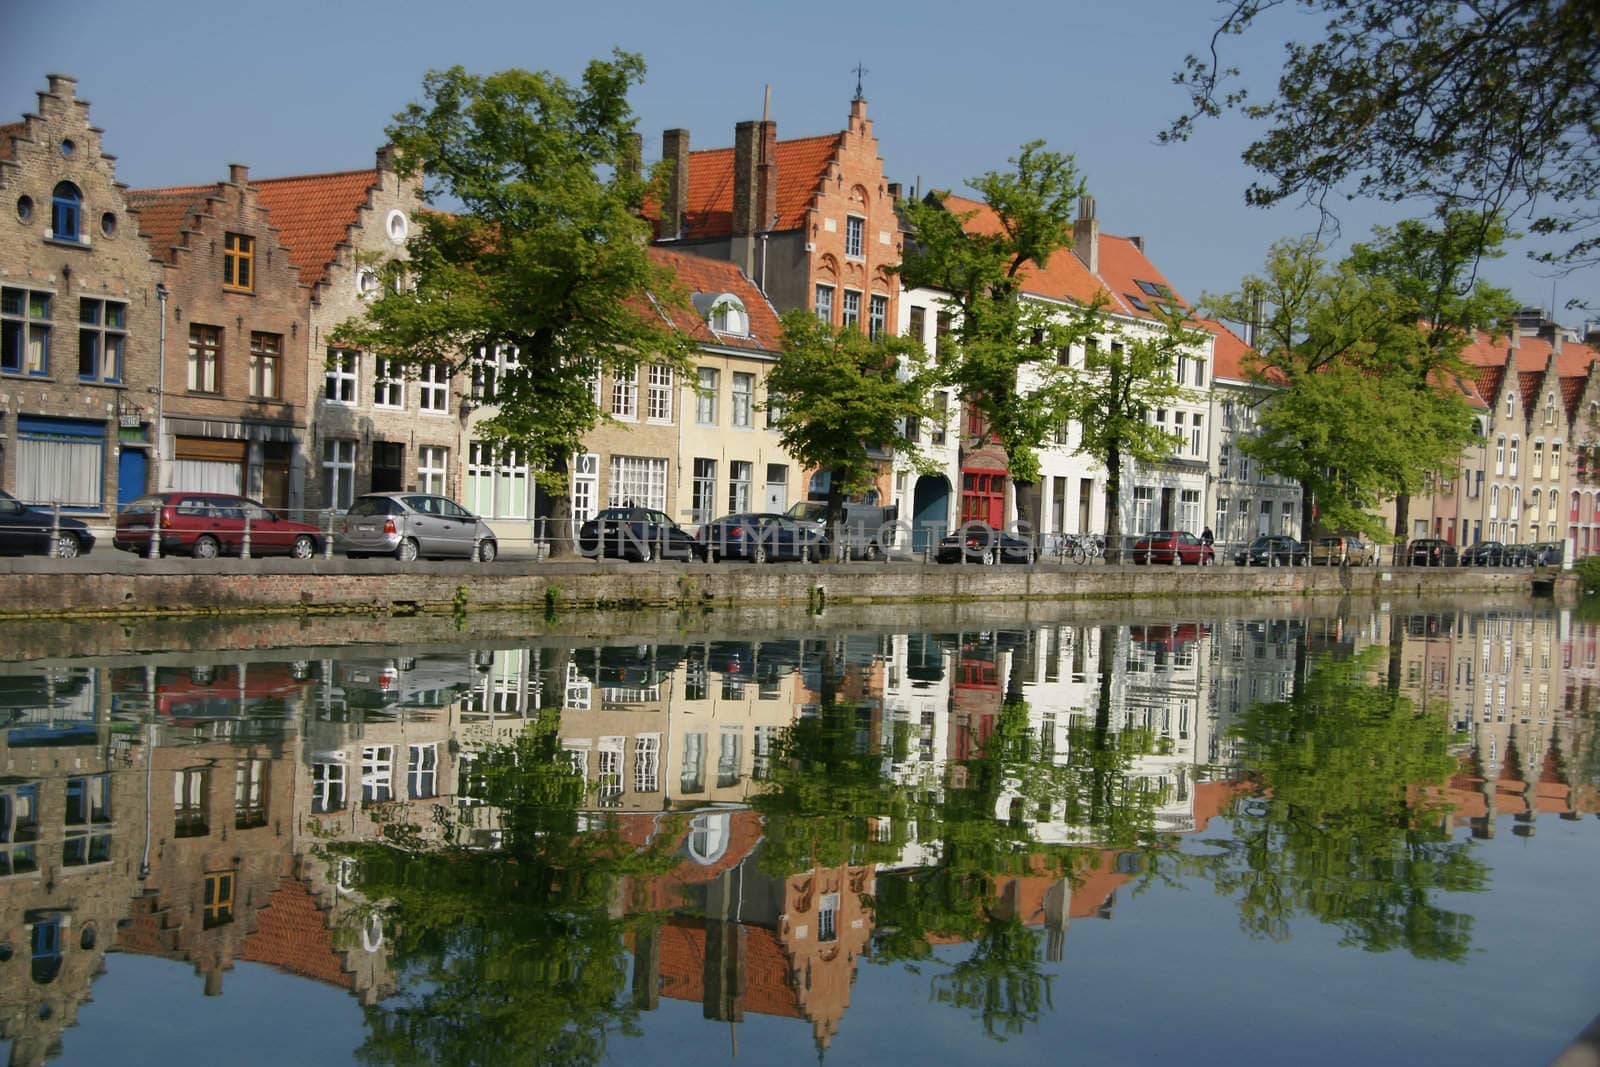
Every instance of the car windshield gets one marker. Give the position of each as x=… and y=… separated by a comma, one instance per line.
x=809, y=511
x=370, y=505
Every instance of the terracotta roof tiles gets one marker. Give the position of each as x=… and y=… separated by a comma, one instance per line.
x=7, y=132
x=292, y=934
x=313, y=214
x=163, y=214
x=698, y=275
x=801, y=164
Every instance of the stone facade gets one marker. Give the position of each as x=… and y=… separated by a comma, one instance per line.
x=80, y=315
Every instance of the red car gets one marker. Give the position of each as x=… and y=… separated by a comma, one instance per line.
x=206, y=525
x=1172, y=546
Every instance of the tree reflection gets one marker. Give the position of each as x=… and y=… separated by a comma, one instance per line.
x=516, y=955
x=1342, y=823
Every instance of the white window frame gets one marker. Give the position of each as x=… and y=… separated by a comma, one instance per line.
x=741, y=476
x=433, y=469
x=388, y=383
x=422, y=771
x=377, y=773
x=855, y=237
x=342, y=376
x=877, y=315
x=339, y=472
x=705, y=396
x=433, y=387
x=642, y=479
x=851, y=314
x=647, y=763
x=822, y=303
x=585, y=486
x=703, y=492
x=658, y=406
x=625, y=397
x=744, y=399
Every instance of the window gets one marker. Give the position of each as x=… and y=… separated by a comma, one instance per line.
x=852, y=308
x=824, y=303
x=705, y=397
x=1555, y=459
x=102, y=326
x=585, y=486
x=25, y=337
x=1143, y=508
x=744, y=393
x=205, y=359
x=249, y=793
x=422, y=772
x=19, y=828
x=238, y=261
x=659, y=403
x=704, y=490
x=854, y=228
x=647, y=763
x=388, y=383
x=489, y=368
x=1199, y=372
x=730, y=744
x=828, y=917
x=88, y=818
x=66, y=212
x=1224, y=459
x=941, y=408
x=497, y=482
x=625, y=396
x=739, y=477
x=1500, y=454
x=433, y=463
x=1538, y=459
x=191, y=802
x=266, y=365
x=377, y=773
x=609, y=778
x=1549, y=409
x=1189, y=509
x=878, y=316
x=327, y=787
x=60, y=460
x=339, y=384
x=640, y=479
x=918, y=325
x=339, y=473
x=1512, y=470
x=217, y=899
x=1194, y=437
x=434, y=384
x=692, y=776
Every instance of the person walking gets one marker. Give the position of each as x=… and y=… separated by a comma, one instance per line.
x=1207, y=539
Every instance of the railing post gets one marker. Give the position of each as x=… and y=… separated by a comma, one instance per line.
x=55, y=528
x=327, y=542
x=153, y=550
x=244, y=546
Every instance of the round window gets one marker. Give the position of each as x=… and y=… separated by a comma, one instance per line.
x=67, y=147
x=399, y=225
x=24, y=208
x=367, y=281
x=108, y=224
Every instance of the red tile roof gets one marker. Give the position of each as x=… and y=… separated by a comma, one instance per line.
x=164, y=213
x=1572, y=394
x=292, y=934
x=1533, y=353
x=1063, y=278
x=699, y=275
x=1229, y=352
x=7, y=132
x=1488, y=382
x=801, y=165
x=1528, y=385
x=313, y=214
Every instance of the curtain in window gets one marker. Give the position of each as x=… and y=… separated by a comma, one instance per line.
x=60, y=468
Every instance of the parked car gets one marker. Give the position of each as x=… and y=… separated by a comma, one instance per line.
x=410, y=526
x=1337, y=551
x=1272, y=550
x=207, y=525
x=862, y=525
x=977, y=543
x=1487, y=554
x=26, y=531
x=642, y=534
x=1176, y=547
x=1544, y=554
x=1431, y=552
x=760, y=537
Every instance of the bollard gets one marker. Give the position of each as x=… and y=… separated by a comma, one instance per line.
x=55, y=529
x=244, y=546
x=327, y=542
x=153, y=550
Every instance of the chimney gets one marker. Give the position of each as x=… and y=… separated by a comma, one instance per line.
x=675, y=153
x=388, y=158
x=894, y=192
x=746, y=152
x=1555, y=342
x=766, y=175
x=1138, y=242
x=63, y=85
x=238, y=174
x=1086, y=235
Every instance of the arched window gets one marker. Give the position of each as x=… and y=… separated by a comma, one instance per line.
x=1533, y=504
x=1494, y=502
x=66, y=212
x=1513, y=470
x=708, y=837
x=46, y=949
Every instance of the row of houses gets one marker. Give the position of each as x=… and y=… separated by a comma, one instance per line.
x=180, y=338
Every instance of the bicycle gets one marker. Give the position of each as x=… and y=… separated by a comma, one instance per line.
x=1080, y=548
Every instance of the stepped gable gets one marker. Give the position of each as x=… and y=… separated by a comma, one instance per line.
x=769, y=989
x=697, y=275
x=801, y=166
x=292, y=935
x=314, y=213
x=165, y=213
x=1528, y=385
x=1488, y=380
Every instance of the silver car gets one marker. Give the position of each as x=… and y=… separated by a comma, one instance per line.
x=412, y=525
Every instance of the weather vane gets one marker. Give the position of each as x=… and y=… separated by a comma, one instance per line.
x=859, y=71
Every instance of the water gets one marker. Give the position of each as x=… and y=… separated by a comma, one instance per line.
x=1359, y=834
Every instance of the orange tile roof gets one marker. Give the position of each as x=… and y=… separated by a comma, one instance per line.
x=164, y=213
x=698, y=275
x=1488, y=381
x=292, y=934
x=1229, y=352
x=1532, y=353
x=1063, y=278
x=313, y=214
x=1572, y=394
x=1123, y=265
x=801, y=165
x=1528, y=384
x=7, y=132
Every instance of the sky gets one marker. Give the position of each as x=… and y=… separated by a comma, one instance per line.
x=183, y=88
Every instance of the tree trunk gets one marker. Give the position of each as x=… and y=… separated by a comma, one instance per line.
x=1113, y=459
x=559, y=532
x=1029, y=498
x=834, y=521
x=1308, y=518
x=1402, y=517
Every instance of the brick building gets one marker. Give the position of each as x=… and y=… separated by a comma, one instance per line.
x=78, y=315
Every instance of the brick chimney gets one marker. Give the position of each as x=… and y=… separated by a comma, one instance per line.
x=238, y=174
x=675, y=153
x=1086, y=235
x=746, y=155
x=766, y=175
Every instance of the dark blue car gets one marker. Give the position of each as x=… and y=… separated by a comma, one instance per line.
x=26, y=531
x=761, y=537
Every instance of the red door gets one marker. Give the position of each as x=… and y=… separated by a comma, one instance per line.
x=983, y=497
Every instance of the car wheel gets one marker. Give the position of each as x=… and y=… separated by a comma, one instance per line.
x=407, y=551
x=758, y=554
x=487, y=551
x=66, y=546
x=813, y=554
x=990, y=557
x=873, y=553
x=304, y=547
x=205, y=547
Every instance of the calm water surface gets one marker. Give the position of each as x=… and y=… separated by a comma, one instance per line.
x=1364, y=836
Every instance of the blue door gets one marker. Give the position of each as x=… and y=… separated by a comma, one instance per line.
x=131, y=469
x=929, y=510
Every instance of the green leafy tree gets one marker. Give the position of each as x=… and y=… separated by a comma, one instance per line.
x=835, y=394
x=1001, y=354
x=1110, y=398
x=548, y=254
x=1491, y=107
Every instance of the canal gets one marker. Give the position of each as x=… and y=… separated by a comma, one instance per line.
x=1328, y=832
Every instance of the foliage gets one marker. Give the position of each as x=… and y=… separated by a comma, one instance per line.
x=548, y=255
x=1002, y=352
x=835, y=394
x=1588, y=571
x=1490, y=107
x=1341, y=826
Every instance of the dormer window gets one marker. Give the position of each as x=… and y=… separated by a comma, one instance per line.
x=724, y=312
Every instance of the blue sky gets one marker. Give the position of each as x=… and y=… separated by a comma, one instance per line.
x=182, y=88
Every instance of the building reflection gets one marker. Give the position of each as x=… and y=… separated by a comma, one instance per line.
x=193, y=810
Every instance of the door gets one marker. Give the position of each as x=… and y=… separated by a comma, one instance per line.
x=1168, y=496
x=458, y=528
x=930, y=507
x=388, y=466
x=1085, y=494
x=275, y=476
x=776, y=494
x=132, y=470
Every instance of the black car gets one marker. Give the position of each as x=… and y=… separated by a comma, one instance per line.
x=1272, y=550
x=760, y=537
x=983, y=544
x=642, y=534
x=1431, y=552
x=26, y=531
x=1488, y=554
x=1544, y=554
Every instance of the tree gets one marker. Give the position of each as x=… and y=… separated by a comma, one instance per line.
x=1111, y=397
x=835, y=394
x=1002, y=355
x=547, y=257
x=1489, y=107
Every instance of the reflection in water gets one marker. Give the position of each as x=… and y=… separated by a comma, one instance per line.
x=514, y=854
